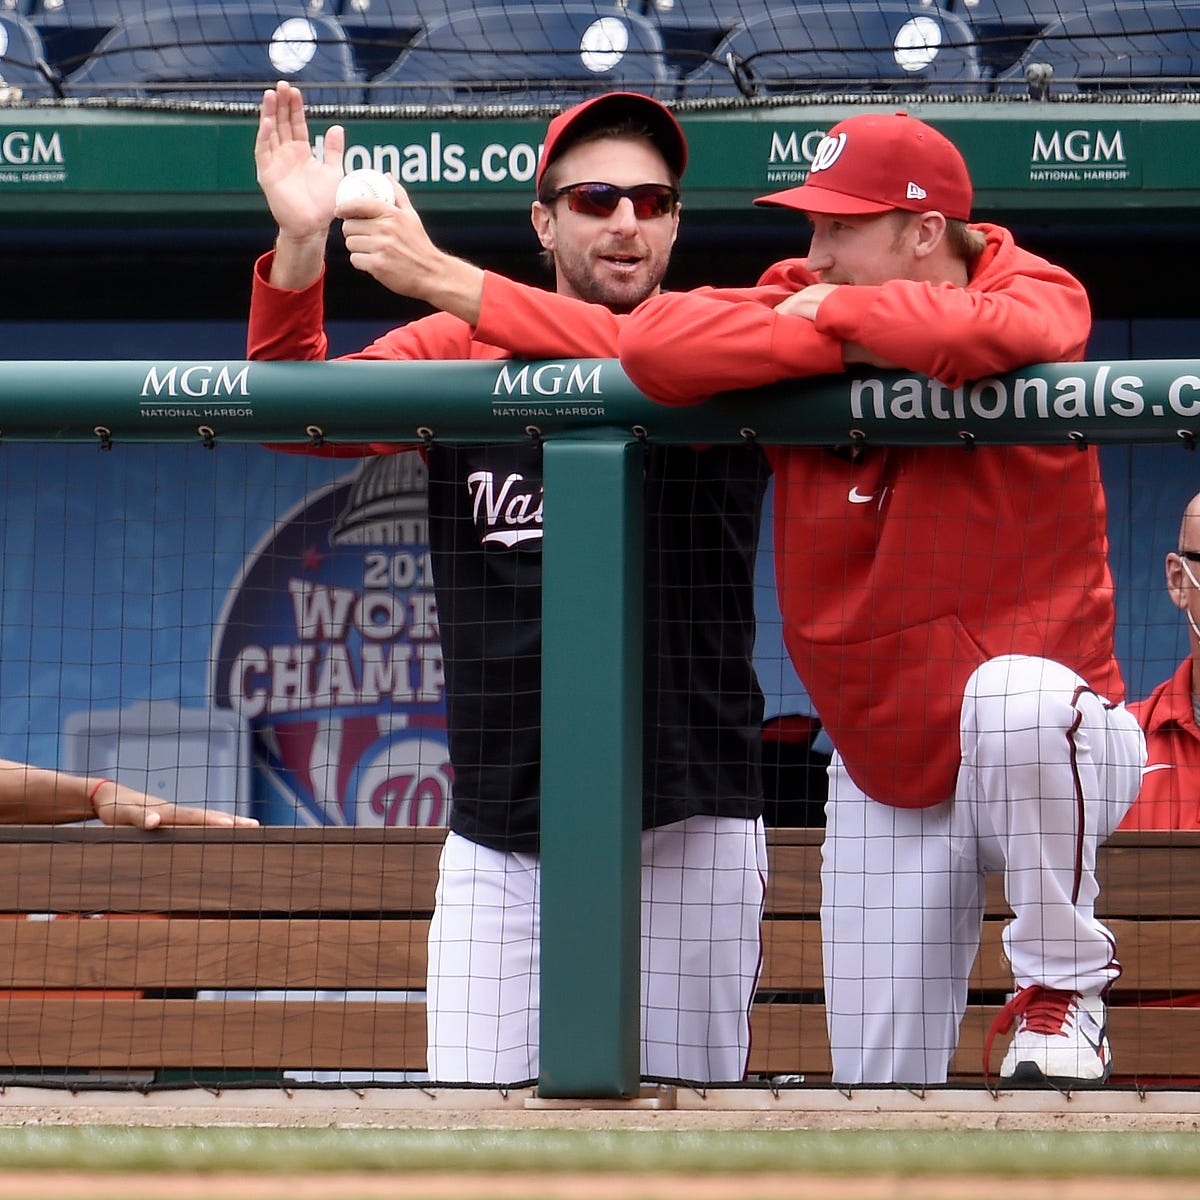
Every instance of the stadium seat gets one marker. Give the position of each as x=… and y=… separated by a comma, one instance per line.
x=890, y=45
x=221, y=55
x=1005, y=28
x=692, y=29
x=708, y=14
x=380, y=29
x=71, y=29
x=24, y=72
x=1151, y=46
x=533, y=53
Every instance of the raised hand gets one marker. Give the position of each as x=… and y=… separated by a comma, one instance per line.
x=299, y=188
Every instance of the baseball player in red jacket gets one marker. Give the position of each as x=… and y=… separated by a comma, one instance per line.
x=1170, y=795
x=950, y=613
x=607, y=213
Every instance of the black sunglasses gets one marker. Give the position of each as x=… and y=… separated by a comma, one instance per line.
x=1190, y=555
x=601, y=199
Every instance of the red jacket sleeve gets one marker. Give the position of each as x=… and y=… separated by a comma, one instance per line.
x=1016, y=309
x=285, y=326
x=680, y=347
x=515, y=320
x=530, y=322
x=288, y=326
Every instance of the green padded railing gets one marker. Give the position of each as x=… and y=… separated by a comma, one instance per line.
x=592, y=423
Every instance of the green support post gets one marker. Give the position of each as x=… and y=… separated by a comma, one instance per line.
x=591, y=768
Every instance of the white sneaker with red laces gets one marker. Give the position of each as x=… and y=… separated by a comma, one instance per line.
x=1061, y=1038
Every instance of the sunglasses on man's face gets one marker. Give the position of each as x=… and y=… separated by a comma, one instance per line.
x=601, y=199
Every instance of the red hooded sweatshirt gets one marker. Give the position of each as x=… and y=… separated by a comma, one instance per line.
x=902, y=569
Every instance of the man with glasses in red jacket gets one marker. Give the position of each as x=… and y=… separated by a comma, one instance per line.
x=1170, y=795
x=606, y=215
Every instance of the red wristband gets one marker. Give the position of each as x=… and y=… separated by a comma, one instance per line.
x=95, y=788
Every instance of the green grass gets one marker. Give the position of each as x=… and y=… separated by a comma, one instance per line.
x=271, y=1151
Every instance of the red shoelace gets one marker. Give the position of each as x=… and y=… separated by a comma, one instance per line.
x=1044, y=1011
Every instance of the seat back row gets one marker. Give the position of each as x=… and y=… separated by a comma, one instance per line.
x=539, y=52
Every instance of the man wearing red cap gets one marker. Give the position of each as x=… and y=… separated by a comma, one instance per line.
x=1170, y=795
x=950, y=613
x=607, y=214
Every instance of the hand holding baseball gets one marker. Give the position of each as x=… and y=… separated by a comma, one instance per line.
x=386, y=239
x=384, y=233
x=363, y=184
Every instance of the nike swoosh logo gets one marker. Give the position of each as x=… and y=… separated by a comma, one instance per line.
x=1157, y=767
x=856, y=497
x=1099, y=1044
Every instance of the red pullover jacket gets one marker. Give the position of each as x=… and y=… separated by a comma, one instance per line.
x=902, y=569
x=1170, y=795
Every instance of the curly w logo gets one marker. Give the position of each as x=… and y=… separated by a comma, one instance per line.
x=829, y=149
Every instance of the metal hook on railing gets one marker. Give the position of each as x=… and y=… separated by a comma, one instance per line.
x=316, y=436
x=1038, y=77
x=1187, y=437
x=207, y=437
x=968, y=439
x=105, y=436
x=743, y=76
x=1079, y=438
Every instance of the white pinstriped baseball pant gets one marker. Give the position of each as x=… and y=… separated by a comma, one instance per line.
x=1048, y=771
x=703, y=887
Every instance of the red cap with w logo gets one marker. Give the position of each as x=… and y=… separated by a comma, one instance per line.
x=876, y=162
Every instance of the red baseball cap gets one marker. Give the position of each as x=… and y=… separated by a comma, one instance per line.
x=608, y=109
x=877, y=162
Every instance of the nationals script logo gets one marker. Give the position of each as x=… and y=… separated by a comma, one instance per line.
x=508, y=511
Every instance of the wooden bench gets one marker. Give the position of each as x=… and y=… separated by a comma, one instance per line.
x=145, y=948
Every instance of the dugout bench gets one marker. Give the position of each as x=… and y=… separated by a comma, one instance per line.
x=128, y=955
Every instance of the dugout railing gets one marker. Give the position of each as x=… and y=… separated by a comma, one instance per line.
x=592, y=425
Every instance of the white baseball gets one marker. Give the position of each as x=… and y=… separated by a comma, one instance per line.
x=365, y=182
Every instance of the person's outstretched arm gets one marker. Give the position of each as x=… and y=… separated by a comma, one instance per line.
x=682, y=347
x=38, y=796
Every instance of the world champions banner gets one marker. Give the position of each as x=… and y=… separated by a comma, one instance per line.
x=328, y=645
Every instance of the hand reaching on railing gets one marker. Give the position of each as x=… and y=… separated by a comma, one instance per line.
x=807, y=303
x=115, y=804
x=38, y=796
